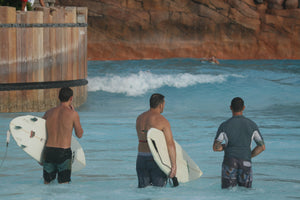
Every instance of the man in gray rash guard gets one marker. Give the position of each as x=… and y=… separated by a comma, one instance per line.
x=234, y=137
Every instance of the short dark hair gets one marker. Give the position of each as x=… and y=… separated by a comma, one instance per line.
x=237, y=104
x=65, y=94
x=156, y=99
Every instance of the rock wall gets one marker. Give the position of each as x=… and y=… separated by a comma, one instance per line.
x=228, y=29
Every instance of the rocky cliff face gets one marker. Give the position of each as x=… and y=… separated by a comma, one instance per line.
x=228, y=29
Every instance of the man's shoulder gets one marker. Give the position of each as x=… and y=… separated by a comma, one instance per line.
x=249, y=121
x=49, y=112
x=142, y=115
x=226, y=121
x=66, y=112
x=231, y=121
x=161, y=118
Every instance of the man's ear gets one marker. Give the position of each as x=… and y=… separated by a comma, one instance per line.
x=161, y=106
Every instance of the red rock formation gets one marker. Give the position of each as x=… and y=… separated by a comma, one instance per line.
x=275, y=4
x=291, y=4
x=228, y=29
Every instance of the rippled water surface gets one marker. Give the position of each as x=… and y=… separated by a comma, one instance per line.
x=198, y=96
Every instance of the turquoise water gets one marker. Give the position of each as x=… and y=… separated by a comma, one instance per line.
x=197, y=101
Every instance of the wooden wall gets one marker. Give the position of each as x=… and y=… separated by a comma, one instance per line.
x=45, y=45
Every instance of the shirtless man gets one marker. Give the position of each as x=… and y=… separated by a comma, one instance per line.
x=60, y=122
x=147, y=170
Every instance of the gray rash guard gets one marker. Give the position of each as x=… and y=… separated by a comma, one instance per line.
x=238, y=133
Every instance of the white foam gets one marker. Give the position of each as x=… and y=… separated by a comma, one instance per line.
x=142, y=82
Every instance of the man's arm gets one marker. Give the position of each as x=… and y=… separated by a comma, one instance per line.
x=260, y=144
x=171, y=147
x=77, y=125
x=218, y=146
x=257, y=150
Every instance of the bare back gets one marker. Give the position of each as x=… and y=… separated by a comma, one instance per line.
x=147, y=120
x=60, y=122
x=153, y=119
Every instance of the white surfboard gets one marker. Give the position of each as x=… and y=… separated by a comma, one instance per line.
x=187, y=169
x=29, y=132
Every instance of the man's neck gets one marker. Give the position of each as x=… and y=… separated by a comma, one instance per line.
x=155, y=110
x=65, y=104
x=237, y=113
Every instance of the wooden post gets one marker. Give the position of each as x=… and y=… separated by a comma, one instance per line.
x=7, y=54
x=30, y=53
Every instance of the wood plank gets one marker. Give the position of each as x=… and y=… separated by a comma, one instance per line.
x=70, y=13
x=82, y=13
x=7, y=16
x=64, y=50
x=21, y=67
x=39, y=55
x=52, y=55
x=12, y=67
x=75, y=54
x=47, y=59
x=29, y=43
x=4, y=60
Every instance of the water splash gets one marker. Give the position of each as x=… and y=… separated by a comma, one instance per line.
x=143, y=81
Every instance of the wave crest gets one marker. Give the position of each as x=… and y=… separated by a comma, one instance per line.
x=142, y=82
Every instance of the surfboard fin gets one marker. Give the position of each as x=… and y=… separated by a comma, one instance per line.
x=7, y=138
x=34, y=119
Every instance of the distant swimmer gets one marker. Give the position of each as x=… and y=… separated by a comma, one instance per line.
x=235, y=136
x=212, y=59
x=148, y=171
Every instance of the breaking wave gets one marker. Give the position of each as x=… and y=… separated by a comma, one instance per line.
x=142, y=82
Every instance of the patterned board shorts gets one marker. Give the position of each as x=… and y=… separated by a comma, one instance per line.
x=236, y=172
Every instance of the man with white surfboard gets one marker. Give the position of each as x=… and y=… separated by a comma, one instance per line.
x=147, y=170
x=60, y=122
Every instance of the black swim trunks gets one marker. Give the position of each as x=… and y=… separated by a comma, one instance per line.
x=148, y=172
x=57, y=161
